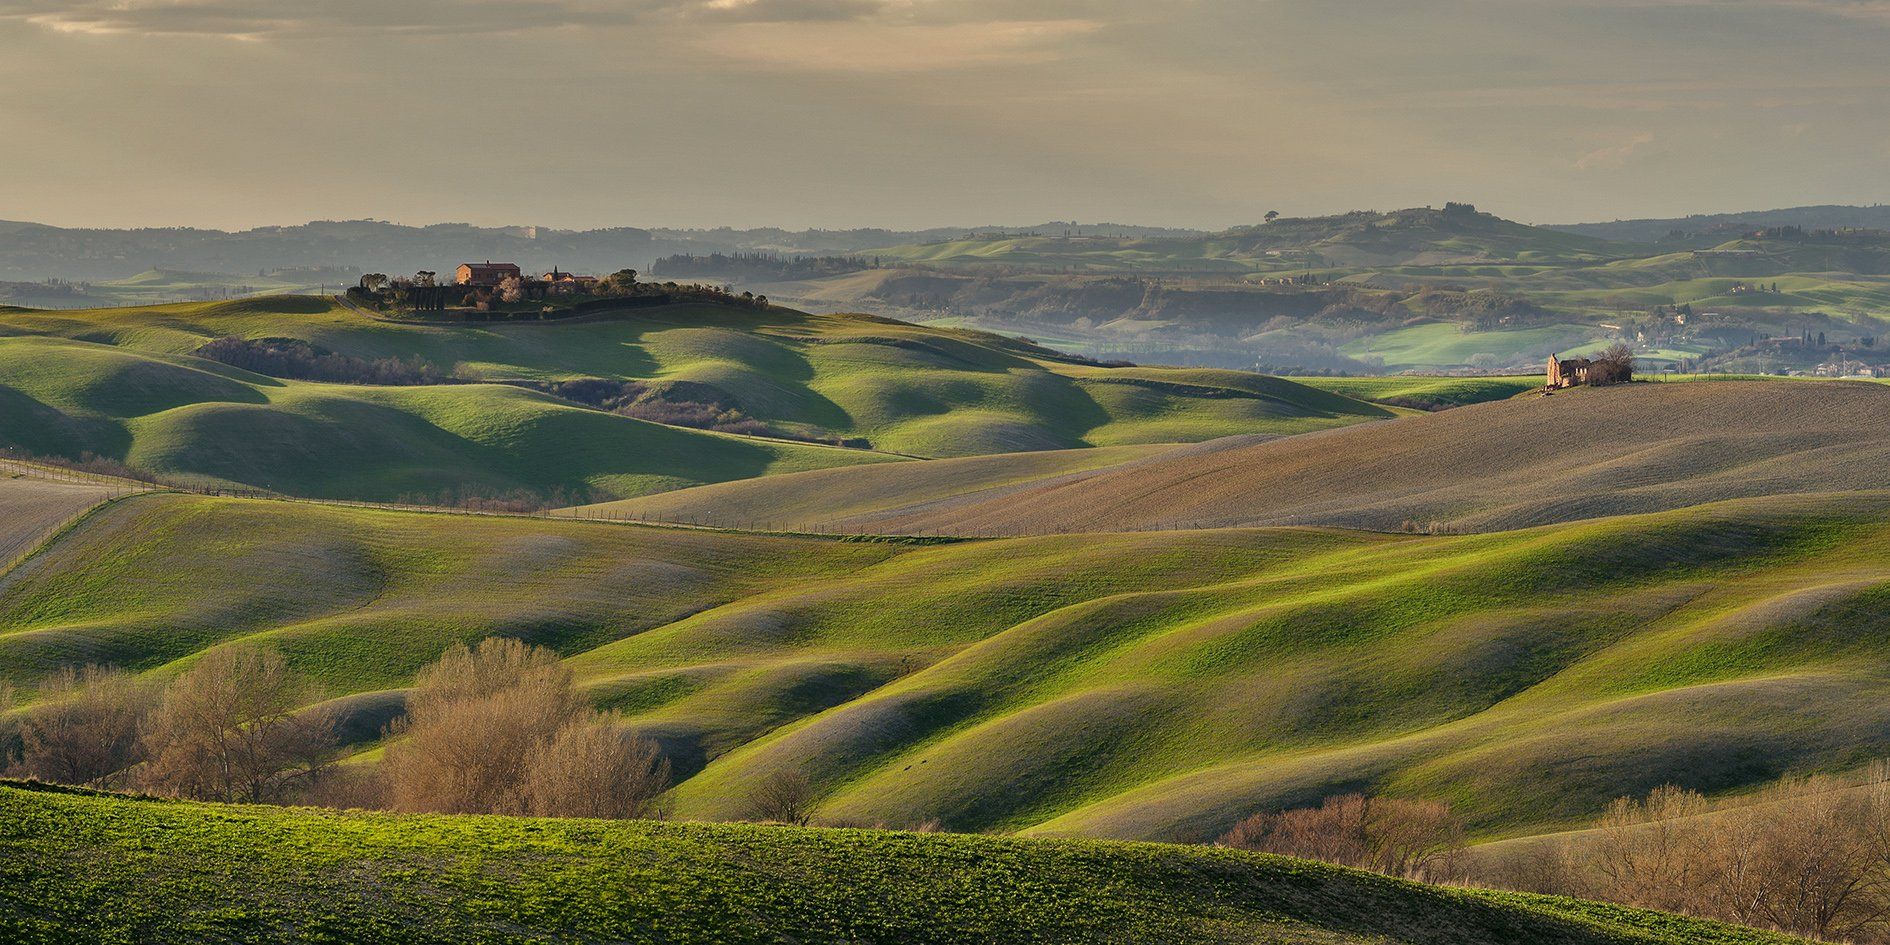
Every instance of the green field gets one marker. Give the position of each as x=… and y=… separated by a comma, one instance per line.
x=123, y=383
x=89, y=868
x=1157, y=685
x=1424, y=391
x=1444, y=344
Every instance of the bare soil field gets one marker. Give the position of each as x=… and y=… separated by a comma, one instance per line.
x=1578, y=454
x=31, y=507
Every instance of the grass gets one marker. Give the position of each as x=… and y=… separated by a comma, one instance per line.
x=86, y=868
x=1426, y=392
x=202, y=423
x=1583, y=453
x=122, y=383
x=1150, y=686
x=832, y=500
x=1438, y=345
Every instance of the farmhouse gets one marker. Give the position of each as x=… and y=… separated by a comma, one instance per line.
x=1577, y=372
x=485, y=273
x=562, y=283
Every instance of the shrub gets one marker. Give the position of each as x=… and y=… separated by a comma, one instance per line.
x=782, y=797
x=299, y=360
x=498, y=728
x=1398, y=837
x=590, y=769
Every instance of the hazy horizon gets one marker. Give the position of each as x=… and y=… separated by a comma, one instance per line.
x=920, y=226
x=905, y=114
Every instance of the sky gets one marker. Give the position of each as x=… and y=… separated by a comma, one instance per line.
x=914, y=113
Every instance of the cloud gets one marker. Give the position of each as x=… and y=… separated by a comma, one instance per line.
x=889, y=48
x=1614, y=156
x=268, y=19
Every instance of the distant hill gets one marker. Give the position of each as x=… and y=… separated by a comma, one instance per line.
x=1421, y=236
x=1707, y=225
x=129, y=384
x=76, y=866
x=33, y=251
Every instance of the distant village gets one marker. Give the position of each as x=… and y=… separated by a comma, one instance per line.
x=504, y=290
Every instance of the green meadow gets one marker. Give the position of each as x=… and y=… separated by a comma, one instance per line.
x=1147, y=685
x=123, y=383
x=77, y=867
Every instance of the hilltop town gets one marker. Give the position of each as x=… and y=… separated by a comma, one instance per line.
x=502, y=290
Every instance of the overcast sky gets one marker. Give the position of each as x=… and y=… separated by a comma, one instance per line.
x=905, y=113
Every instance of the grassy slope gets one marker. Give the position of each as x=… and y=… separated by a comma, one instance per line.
x=79, y=868
x=200, y=421
x=930, y=392
x=1426, y=391
x=821, y=501
x=1578, y=454
x=1156, y=685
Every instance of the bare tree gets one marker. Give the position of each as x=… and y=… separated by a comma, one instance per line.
x=228, y=729
x=1805, y=856
x=590, y=769
x=1388, y=835
x=511, y=289
x=1650, y=853
x=782, y=797
x=475, y=720
x=85, y=727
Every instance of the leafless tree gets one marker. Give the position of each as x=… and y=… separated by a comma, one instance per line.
x=782, y=797
x=499, y=728
x=85, y=726
x=1388, y=835
x=1650, y=853
x=590, y=769
x=228, y=729
x=475, y=720
x=511, y=289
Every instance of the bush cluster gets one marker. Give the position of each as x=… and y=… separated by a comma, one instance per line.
x=298, y=360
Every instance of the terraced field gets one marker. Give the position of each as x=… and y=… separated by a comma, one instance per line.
x=77, y=867
x=123, y=383
x=1154, y=685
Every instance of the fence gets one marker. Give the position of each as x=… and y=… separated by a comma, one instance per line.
x=18, y=548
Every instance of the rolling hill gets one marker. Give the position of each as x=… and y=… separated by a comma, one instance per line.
x=126, y=384
x=1149, y=686
x=79, y=867
x=1579, y=454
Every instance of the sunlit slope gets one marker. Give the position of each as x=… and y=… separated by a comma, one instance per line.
x=1137, y=685
x=1578, y=454
x=81, y=867
x=905, y=388
x=1426, y=392
x=199, y=421
x=837, y=500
